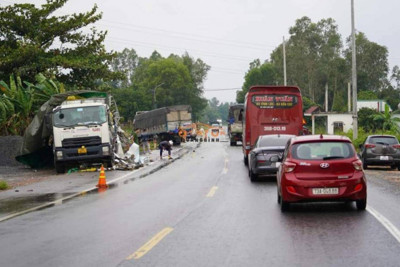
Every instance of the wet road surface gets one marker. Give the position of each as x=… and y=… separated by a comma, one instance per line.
x=203, y=211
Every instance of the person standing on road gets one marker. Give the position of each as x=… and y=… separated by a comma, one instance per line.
x=167, y=145
x=145, y=143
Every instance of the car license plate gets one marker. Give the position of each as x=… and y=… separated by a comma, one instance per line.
x=325, y=191
x=384, y=157
x=82, y=150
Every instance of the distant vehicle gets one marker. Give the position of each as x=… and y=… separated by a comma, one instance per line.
x=320, y=168
x=383, y=150
x=260, y=156
x=271, y=110
x=163, y=122
x=235, y=124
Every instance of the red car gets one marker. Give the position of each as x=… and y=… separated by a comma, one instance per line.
x=320, y=168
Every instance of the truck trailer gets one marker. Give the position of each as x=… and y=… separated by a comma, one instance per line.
x=164, y=123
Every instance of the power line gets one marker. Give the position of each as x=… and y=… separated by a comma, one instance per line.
x=166, y=32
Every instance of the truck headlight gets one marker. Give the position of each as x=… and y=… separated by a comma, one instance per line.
x=59, y=154
x=106, y=150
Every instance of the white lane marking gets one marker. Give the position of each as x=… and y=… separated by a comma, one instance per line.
x=385, y=222
x=225, y=170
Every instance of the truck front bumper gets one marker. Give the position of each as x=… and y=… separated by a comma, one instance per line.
x=93, y=154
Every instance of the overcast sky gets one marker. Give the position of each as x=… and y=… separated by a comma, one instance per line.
x=228, y=35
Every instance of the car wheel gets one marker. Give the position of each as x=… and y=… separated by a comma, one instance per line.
x=253, y=176
x=246, y=160
x=365, y=166
x=278, y=199
x=285, y=206
x=361, y=204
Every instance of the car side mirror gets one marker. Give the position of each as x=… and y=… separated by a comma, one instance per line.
x=274, y=158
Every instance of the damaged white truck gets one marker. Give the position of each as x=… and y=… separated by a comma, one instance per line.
x=74, y=129
x=83, y=132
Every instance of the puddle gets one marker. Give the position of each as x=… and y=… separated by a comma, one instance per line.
x=16, y=204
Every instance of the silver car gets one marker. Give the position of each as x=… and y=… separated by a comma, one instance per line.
x=383, y=150
x=266, y=147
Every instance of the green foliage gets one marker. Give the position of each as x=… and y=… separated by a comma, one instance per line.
x=35, y=41
x=339, y=102
x=19, y=102
x=367, y=95
x=3, y=185
x=365, y=119
x=313, y=58
x=215, y=110
x=385, y=119
x=372, y=63
x=264, y=74
x=160, y=82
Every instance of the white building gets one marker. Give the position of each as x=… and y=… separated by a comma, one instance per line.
x=378, y=105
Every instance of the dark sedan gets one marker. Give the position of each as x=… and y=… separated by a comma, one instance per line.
x=260, y=156
x=381, y=150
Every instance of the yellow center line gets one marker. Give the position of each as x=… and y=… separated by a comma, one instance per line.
x=212, y=191
x=150, y=244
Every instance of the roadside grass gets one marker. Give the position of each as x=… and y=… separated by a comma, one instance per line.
x=3, y=185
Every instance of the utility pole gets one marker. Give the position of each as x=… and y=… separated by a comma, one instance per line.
x=284, y=61
x=354, y=73
x=154, y=95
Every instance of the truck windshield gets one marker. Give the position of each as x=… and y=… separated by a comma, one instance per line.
x=92, y=115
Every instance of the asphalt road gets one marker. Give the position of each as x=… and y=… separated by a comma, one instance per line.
x=203, y=210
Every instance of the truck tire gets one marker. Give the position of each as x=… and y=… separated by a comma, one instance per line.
x=60, y=168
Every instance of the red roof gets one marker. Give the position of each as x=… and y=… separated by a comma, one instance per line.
x=311, y=110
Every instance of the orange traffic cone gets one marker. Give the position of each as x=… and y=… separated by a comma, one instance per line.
x=102, y=179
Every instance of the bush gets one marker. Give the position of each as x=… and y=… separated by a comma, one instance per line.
x=3, y=185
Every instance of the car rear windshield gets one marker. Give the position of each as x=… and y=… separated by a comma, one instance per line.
x=322, y=150
x=383, y=140
x=273, y=141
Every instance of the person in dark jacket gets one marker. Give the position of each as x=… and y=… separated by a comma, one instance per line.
x=167, y=145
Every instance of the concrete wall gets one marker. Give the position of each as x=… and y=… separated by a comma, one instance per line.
x=378, y=105
x=9, y=149
x=346, y=119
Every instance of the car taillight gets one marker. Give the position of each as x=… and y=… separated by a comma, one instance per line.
x=288, y=166
x=357, y=165
x=369, y=146
x=396, y=146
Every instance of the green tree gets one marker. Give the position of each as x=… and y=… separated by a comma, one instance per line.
x=257, y=75
x=125, y=62
x=313, y=58
x=365, y=119
x=33, y=40
x=158, y=81
x=372, y=63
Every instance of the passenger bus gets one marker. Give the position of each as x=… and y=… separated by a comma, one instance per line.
x=271, y=110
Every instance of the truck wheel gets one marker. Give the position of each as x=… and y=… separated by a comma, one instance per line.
x=60, y=168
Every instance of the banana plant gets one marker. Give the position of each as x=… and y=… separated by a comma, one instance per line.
x=388, y=123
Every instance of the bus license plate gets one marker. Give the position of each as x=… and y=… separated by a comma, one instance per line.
x=325, y=191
